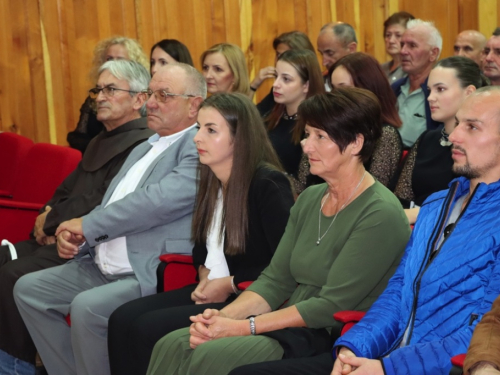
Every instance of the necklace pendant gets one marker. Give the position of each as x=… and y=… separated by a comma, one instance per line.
x=317, y=242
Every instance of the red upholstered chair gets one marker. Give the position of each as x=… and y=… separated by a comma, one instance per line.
x=41, y=171
x=13, y=149
x=175, y=271
x=457, y=363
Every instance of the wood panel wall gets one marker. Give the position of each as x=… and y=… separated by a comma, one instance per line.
x=46, y=45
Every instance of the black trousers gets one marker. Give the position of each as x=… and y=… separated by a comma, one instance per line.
x=14, y=337
x=319, y=365
x=135, y=327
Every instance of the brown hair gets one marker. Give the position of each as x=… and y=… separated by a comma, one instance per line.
x=400, y=18
x=307, y=66
x=344, y=114
x=294, y=40
x=367, y=74
x=174, y=48
x=252, y=150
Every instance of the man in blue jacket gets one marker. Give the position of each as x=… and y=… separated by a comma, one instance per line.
x=421, y=45
x=450, y=273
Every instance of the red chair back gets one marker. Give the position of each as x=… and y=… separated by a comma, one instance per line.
x=43, y=169
x=13, y=149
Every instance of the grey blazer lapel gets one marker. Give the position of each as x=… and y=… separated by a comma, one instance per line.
x=171, y=152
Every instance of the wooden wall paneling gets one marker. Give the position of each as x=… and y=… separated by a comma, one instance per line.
x=301, y=16
x=129, y=21
x=246, y=31
x=217, y=18
x=147, y=21
x=40, y=115
x=488, y=16
x=264, y=30
x=468, y=15
x=8, y=87
x=56, y=71
x=103, y=17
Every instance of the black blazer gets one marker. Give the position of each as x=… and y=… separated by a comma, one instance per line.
x=270, y=198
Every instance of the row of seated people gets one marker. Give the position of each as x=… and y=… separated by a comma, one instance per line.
x=317, y=267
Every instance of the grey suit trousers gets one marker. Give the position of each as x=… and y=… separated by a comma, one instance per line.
x=78, y=288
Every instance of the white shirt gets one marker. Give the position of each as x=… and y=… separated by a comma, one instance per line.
x=112, y=257
x=216, y=261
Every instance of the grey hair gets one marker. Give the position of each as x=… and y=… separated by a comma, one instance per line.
x=134, y=73
x=343, y=31
x=434, y=38
x=195, y=83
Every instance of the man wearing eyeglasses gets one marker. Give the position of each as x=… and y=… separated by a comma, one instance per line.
x=145, y=212
x=78, y=194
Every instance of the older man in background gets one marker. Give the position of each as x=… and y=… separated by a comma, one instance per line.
x=470, y=43
x=491, y=62
x=421, y=46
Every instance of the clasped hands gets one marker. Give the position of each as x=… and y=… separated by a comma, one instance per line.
x=69, y=237
x=213, y=324
x=212, y=291
x=348, y=363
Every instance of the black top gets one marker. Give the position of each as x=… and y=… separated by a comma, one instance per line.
x=288, y=152
x=266, y=105
x=428, y=169
x=87, y=128
x=269, y=201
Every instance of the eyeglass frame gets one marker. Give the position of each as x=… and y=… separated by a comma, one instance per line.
x=149, y=93
x=110, y=89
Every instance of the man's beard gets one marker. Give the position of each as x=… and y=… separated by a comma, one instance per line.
x=466, y=171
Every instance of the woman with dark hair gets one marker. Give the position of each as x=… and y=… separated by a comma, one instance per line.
x=224, y=68
x=428, y=166
x=361, y=70
x=322, y=265
x=282, y=43
x=394, y=27
x=298, y=76
x=168, y=51
x=242, y=206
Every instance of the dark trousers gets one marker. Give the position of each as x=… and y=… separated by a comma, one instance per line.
x=319, y=365
x=14, y=337
x=135, y=327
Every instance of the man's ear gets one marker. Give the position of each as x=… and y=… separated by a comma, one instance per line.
x=434, y=53
x=194, y=106
x=352, y=47
x=139, y=101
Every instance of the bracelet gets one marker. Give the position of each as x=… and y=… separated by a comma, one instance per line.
x=235, y=290
x=253, y=89
x=252, y=326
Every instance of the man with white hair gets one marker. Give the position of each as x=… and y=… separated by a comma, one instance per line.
x=421, y=45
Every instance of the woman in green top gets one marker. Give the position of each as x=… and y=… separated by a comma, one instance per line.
x=342, y=243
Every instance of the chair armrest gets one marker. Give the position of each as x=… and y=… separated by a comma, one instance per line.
x=346, y=320
x=244, y=285
x=175, y=271
x=457, y=364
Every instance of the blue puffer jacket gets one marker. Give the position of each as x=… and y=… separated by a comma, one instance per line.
x=438, y=298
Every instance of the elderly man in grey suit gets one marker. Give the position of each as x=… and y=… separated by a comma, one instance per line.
x=145, y=212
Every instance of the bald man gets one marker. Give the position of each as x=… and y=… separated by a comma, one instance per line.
x=470, y=43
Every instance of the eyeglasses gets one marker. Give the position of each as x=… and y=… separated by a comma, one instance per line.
x=107, y=91
x=162, y=95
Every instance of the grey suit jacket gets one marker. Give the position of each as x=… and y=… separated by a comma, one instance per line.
x=156, y=217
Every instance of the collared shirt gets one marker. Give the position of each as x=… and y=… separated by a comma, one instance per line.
x=112, y=257
x=412, y=113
